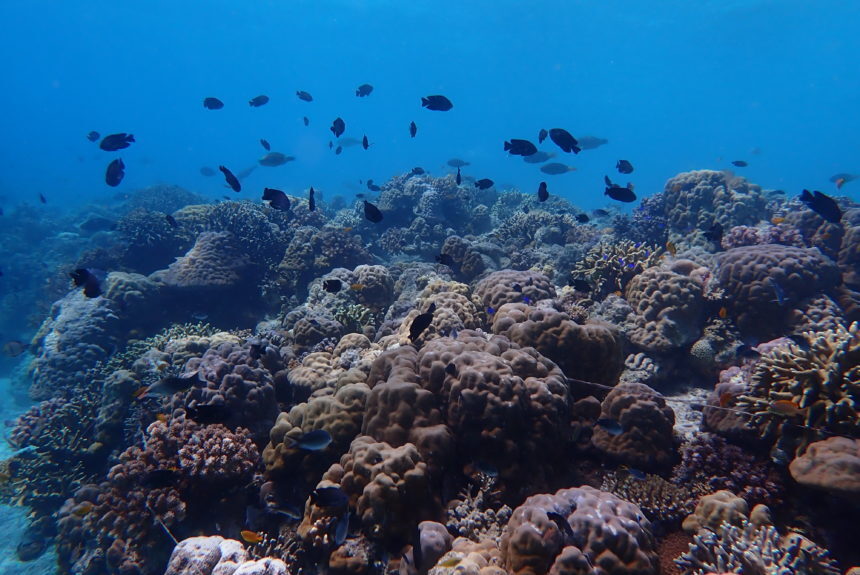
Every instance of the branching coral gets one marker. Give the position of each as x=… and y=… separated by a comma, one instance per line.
x=609, y=267
x=659, y=500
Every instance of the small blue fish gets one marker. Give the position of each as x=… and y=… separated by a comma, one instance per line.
x=527, y=299
x=631, y=265
x=491, y=311
x=315, y=440
x=611, y=426
x=777, y=291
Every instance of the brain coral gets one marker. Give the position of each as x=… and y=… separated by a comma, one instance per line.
x=454, y=311
x=509, y=286
x=669, y=303
x=604, y=535
x=213, y=263
x=763, y=282
x=591, y=352
x=646, y=440
x=832, y=464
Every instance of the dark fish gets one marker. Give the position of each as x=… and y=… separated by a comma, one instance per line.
x=338, y=150
x=517, y=288
x=421, y=322
x=845, y=177
x=624, y=167
x=484, y=183
x=580, y=284
x=90, y=281
x=306, y=121
x=364, y=143
x=265, y=144
x=744, y=350
x=274, y=159
x=778, y=292
x=363, y=90
x=437, y=103
x=231, y=179
x=618, y=193
x=42, y=198
x=823, y=205
x=93, y=136
x=538, y=158
x=457, y=163
x=611, y=426
x=338, y=127
x=459, y=179
x=715, y=234
x=212, y=103
x=209, y=414
x=740, y=163
x=312, y=204
x=207, y=171
x=413, y=129
x=304, y=96
x=14, y=348
x=115, y=173
x=258, y=101
x=520, y=147
x=564, y=140
x=446, y=260
x=169, y=385
x=171, y=221
x=116, y=142
x=160, y=478
x=591, y=142
x=329, y=497
x=486, y=468
x=561, y=522
x=542, y=135
x=543, y=194
x=332, y=285
x=315, y=440
x=277, y=199
x=417, y=171
x=373, y=187
x=372, y=213
x=637, y=474
x=582, y=218
x=555, y=168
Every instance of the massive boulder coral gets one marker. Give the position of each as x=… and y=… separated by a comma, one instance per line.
x=668, y=302
x=509, y=286
x=454, y=311
x=592, y=351
x=215, y=555
x=832, y=464
x=646, y=439
x=579, y=530
x=763, y=282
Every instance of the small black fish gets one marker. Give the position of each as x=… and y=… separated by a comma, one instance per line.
x=582, y=218
x=484, y=183
x=329, y=497
x=744, y=350
x=277, y=199
x=209, y=414
x=624, y=167
x=417, y=171
x=543, y=194
x=458, y=179
x=520, y=147
x=564, y=140
x=265, y=144
x=542, y=135
x=823, y=205
x=159, y=478
x=338, y=150
x=715, y=233
x=338, y=127
x=212, y=103
x=116, y=142
x=312, y=203
x=171, y=221
x=332, y=285
x=42, y=198
x=115, y=173
x=517, y=288
x=304, y=96
x=372, y=187
x=421, y=322
x=437, y=103
x=413, y=129
x=740, y=163
x=167, y=386
x=372, y=213
x=207, y=171
x=306, y=120
x=579, y=284
x=90, y=281
x=561, y=522
x=258, y=101
x=618, y=193
x=232, y=181
x=446, y=260
x=363, y=90
x=93, y=136
x=364, y=143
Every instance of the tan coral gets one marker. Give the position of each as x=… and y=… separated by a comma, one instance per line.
x=510, y=286
x=712, y=510
x=832, y=464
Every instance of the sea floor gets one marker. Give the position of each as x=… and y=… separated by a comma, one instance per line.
x=13, y=520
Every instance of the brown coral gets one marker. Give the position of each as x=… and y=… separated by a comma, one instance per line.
x=832, y=464
x=509, y=286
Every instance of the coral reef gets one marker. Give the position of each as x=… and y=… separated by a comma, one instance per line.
x=609, y=267
x=508, y=286
x=832, y=464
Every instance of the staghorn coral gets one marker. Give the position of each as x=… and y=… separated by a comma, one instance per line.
x=822, y=380
x=832, y=465
x=609, y=267
x=746, y=548
x=607, y=536
x=476, y=514
x=659, y=500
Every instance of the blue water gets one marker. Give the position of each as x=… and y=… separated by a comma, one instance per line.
x=673, y=85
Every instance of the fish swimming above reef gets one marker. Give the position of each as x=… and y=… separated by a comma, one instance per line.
x=740, y=163
x=624, y=167
x=542, y=193
x=618, y=193
x=542, y=135
x=538, y=157
x=364, y=142
x=315, y=440
x=372, y=213
x=332, y=285
x=93, y=136
x=421, y=322
x=437, y=103
x=364, y=90
x=413, y=129
x=89, y=280
x=556, y=168
x=457, y=163
x=564, y=140
x=304, y=96
x=277, y=199
x=171, y=221
x=274, y=159
x=169, y=385
x=823, y=205
x=265, y=144
x=518, y=147
x=338, y=127
x=306, y=121
x=582, y=218
x=115, y=142
x=212, y=103
x=312, y=203
x=42, y=198
x=231, y=180
x=591, y=142
x=115, y=173
x=258, y=101
x=484, y=183
x=459, y=178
